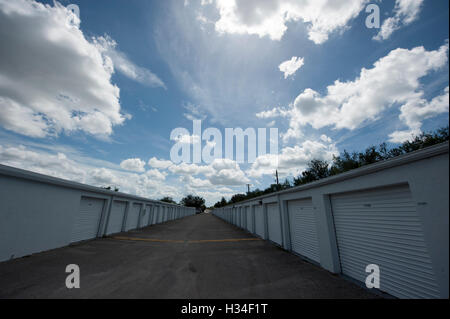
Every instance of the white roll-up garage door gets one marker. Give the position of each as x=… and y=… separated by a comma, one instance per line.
x=143, y=218
x=87, y=221
x=259, y=221
x=274, y=223
x=382, y=227
x=238, y=222
x=302, y=224
x=157, y=213
x=116, y=217
x=249, y=219
x=243, y=217
x=133, y=216
x=153, y=215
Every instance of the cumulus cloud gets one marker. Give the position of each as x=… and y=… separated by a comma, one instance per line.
x=149, y=184
x=270, y=17
x=293, y=160
x=224, y=172
x=134, y=165
x=68, y=81
x=53, y=79
x=156, y=174
x=158, y=163
x=405, y=12
x=290, y=67
x=394, y=80
x=415, y=111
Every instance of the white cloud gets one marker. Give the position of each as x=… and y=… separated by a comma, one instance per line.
x=224, y=172
x=195, y=182
x=189, y=169
x=402, y=136
x=415, y=111
x=149, y=184
x=393, y=80
x=156, y=174
x=290, y=67
x=405, y=12
x=123, y=64
x=134, y=165
x=270, y=17
x=157, y=163
x=67, y=86
x=292, y=160
x=194, y=112
x=275, y=112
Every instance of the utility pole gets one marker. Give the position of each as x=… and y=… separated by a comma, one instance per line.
x=276, y=174
x=248, y=188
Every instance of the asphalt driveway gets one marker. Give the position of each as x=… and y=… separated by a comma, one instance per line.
x=195, y=257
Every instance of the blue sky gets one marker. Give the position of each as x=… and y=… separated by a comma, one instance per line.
x=101, y=95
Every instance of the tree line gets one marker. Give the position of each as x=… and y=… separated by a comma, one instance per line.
x=319, y=169
x=188, y=201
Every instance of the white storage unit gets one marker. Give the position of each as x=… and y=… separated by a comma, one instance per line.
x=88, y=219
x=143, y=218
x=149, y=218
x=160, y=214
x=133, y=216
x=157, y=214
x=303, y=229
x=238, y=217
x=249, y=219
x=243, y=217
x=274, y=223
x=382, y=227
x=116, y=217
x=259, y=221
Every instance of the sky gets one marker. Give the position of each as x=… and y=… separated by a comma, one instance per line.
x=94, y=96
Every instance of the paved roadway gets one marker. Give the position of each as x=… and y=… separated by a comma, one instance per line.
x=195, y=257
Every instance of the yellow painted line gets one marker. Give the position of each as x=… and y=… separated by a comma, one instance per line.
x=222, y=240
x=147, y=239
x=184, y=241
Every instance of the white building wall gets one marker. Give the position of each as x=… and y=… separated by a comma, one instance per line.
x=38, y=212
x=426, y=172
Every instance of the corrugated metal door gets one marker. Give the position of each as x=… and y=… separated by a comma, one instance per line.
x=143, y=218
x=88, y=219
x=259, y=221
x=249, y=219
x=238, y=221
x=157, y=213
x=382, y=227
x=274, y=223
x=133, y=216
x=302, y=224
x=116, y=217
x=151, y=212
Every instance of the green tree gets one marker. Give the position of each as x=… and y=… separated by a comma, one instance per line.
x=316, y=170
x=194, y=201
x=167, y=199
